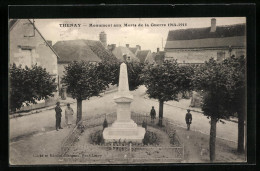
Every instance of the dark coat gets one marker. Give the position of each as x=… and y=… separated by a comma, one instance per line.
x=188, y=118
x=153, y=113
x=58, y=111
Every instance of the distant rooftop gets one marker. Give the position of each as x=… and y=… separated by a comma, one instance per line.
x=224, y=36
x=203, y=33
x=86, y=50
x=142, y=54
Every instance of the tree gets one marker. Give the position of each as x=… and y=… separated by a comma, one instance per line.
x=84, y=80
x=27, y=85
x=213, y=79
x=134, y=71
x=187, y=72
x=237, y=93
x=164, y=82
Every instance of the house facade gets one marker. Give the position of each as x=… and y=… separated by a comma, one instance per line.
x=197, y=45
x=27, y=47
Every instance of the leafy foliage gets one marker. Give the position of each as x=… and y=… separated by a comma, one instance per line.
x=150, y=138
x=27, y=85
x=85, y=79
x=165, y=81
x=237, y=84
x=221, y=87
x=236, y=104
x=224, y=94
x=97, y=137
x=134, y=71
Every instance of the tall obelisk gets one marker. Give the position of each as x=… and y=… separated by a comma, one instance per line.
x=124, y=128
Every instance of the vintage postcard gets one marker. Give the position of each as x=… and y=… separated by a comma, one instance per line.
x=127, y=90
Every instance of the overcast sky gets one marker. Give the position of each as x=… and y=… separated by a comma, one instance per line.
x=147, y=37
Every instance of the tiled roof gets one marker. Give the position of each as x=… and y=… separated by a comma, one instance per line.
x=133, y=50
x=120, y=51
x=86, y=50
x=12, y=22
x=142, y=54
x=224, y=36
x=204, y=33
x=239, y=41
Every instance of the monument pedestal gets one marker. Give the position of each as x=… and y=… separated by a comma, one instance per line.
x=124, y=128
x=124, y=131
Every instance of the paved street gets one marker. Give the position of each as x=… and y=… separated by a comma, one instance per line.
x=27, y=132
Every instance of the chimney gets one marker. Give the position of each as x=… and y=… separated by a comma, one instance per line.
x=138, y=47
x=158, y=49
x=213, y=25
x=103, y=38
x=49, y=42
x=127, y=45
x=113, y=46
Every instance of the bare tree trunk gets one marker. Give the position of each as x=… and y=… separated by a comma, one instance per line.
x=240, y=144
x=79, y=110
x=160, y=113
x=212, y=141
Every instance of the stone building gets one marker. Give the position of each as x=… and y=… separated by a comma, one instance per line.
x=158, y=56
x=92, y=51
x=27, y=46
x=197, y=45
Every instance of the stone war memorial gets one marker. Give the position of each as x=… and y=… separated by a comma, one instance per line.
x=124, y=128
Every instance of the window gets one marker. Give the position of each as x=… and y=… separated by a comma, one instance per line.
x=26, y=56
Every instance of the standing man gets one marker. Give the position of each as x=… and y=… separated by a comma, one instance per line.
x=188, y=119
x=153, y=114
x=58, y=116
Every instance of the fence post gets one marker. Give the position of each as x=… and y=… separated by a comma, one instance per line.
x=183, y=151
x=130, y=150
